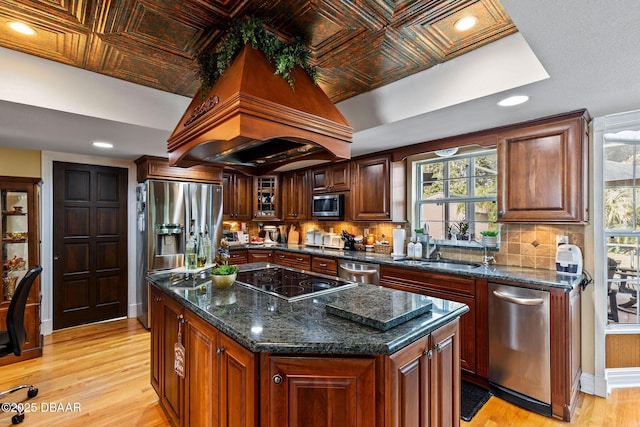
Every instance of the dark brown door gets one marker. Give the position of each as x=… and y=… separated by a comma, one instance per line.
x=89, y=243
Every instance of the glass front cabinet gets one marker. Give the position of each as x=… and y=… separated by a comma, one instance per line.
x=19, y=229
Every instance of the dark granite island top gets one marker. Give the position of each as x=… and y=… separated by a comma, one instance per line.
x=268, y=324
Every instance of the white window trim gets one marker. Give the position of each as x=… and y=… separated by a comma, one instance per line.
x=606, y=379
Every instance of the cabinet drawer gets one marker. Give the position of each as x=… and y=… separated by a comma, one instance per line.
x=302, y=261
x=456, y=285
x=260, y=256
x=238, y=257
x=324, y=265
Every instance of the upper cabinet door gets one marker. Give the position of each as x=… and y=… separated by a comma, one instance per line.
x=542, y=172
x=331, y=178
x=372, y=189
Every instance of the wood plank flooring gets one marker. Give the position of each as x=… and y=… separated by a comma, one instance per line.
x=105, y=369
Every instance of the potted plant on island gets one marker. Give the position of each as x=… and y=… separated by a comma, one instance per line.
x=489, y=238
x=223, y=276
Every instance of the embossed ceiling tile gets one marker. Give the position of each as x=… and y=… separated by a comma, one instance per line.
x=325, y=25
x=338, y=85
x=75, y=13
x=52, y=42
x=143, y=70
x=164, y=30
x=411, y=12
x=493, y=23
x=401, y=57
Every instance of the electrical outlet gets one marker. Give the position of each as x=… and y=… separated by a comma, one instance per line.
x=562, y=240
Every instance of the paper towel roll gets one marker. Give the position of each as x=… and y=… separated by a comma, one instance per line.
x=399, y=236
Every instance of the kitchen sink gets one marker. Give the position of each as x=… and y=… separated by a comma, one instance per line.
x=442, y=263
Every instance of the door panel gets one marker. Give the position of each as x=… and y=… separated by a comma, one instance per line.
x=90, y=243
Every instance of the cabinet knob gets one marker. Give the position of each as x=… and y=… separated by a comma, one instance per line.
x=500, y=213
x=277, y=379
x=220, y=350
x=428, y=353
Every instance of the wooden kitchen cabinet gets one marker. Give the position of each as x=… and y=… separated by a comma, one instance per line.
x=150, y=167
x=371, y=189
x=238, y=257
x=295, y=195
x=423, y=380
x=220, y=384
x=320, y=391
x=324, y=265
x=290, y=259
x=334, y=177
x=20, y=249
x=237, y=193
x=168, y=314
x=543, y=171
x=448, y=287
x=266, y=196
x=221, y=381
x=260, y=256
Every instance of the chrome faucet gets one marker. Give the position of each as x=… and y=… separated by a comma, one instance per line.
x=427, y=248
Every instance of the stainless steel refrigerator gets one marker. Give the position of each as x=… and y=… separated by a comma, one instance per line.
x=165, y=210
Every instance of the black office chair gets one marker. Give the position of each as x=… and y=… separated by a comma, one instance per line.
x=12, y=340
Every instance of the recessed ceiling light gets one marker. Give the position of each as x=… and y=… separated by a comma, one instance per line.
x=513, y=100
x=22, y=28
x=103, y=144
x=466, y=23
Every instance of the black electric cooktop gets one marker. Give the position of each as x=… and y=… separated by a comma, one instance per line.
x=291, y=284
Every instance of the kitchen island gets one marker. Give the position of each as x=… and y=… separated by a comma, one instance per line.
x=251, y=358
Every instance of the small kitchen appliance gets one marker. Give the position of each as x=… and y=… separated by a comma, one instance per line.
x=569, y=260
x=328, y=206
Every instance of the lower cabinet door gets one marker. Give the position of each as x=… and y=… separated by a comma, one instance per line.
x=445, y=376
x=319, y=392
x=238, y=385
x=201, y=379
x=171, y=385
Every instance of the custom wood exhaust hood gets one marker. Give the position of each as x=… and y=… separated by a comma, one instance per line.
x=253, y=120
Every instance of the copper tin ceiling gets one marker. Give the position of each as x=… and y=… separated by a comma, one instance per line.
x=357, y=45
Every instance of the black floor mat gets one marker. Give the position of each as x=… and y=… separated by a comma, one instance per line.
x=472, y=399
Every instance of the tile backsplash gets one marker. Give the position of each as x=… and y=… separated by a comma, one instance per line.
x=521, y=245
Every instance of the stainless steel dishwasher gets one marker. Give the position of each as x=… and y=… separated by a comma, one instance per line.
x=359, y=272
x=519, y=347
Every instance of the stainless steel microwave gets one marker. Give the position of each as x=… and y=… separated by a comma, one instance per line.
x=328, y=206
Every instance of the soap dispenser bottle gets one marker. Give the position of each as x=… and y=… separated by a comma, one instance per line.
x=411, y=249
x=418, y=249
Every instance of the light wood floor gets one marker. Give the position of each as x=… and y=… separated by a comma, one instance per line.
x=102, y=367
x=105, y=369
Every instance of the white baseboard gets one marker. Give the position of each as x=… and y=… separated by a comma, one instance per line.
x=587, y=383
x=622, y=378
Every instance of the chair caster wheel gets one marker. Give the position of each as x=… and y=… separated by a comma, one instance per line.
x=17, y=419
x=33, y=392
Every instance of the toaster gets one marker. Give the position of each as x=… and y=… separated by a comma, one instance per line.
x=569, y=260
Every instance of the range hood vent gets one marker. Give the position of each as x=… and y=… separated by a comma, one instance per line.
x=253, y=120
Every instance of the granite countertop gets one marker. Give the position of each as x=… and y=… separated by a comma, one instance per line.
x=523, y=275
x=266, y=323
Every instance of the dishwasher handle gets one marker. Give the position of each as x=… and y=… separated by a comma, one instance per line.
x=350, y=270
x=518, y=300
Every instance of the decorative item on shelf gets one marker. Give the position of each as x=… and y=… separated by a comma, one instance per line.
x=460, y=231
x=223, y=276
x=17, y=235
x=252, y=30
x=222, y=258
x=8, y=281
x=489, y=238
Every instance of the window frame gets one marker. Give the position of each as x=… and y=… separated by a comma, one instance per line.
x=470, y=200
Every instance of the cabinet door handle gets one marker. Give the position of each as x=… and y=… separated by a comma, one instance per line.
x=428, y=353
x=438, y=347
x=277, y=379
x=220, y=350
x=322, y=264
